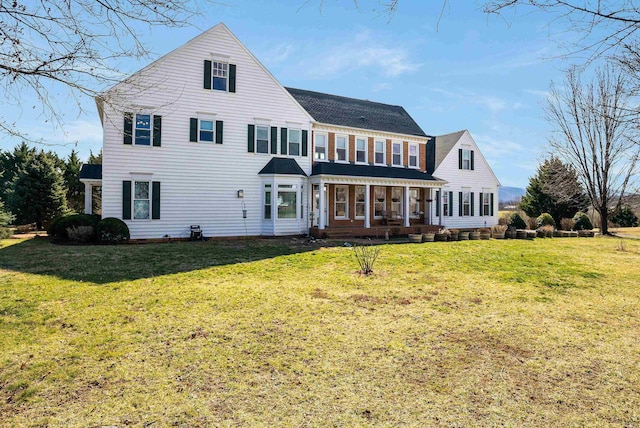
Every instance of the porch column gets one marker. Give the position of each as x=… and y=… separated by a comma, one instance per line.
x=88, y=188
x=406, y=207
x=321, y=219
x=367, y=206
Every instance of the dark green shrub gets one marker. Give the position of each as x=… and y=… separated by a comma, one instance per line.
x=516, y=222
x=59, y=227
x=581, y=221
x=624, y=217
x=545, y=219
x=53, y=224
x=112, y=230
x=5, y=233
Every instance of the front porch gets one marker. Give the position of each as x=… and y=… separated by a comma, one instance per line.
x=370, y=232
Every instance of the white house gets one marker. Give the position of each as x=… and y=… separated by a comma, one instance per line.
x=207, y=136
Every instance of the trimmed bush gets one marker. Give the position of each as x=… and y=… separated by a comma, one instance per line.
x=80, y=234
x=581, y=221
x=5, y=233
x=58, y=227
x=545, y=219
x=566, y=224
x=624, y=217
x=516, y=222
x=112, y=230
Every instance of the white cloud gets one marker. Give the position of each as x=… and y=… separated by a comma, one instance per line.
x=279, y=54
x=381, y=87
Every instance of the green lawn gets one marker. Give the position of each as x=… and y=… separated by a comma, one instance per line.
x=273, y=333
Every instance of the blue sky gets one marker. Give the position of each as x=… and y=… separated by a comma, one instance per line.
x=467, y=70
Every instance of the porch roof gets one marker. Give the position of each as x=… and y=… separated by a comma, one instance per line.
x=353, y=170
x=90, y=172
x=285, y=166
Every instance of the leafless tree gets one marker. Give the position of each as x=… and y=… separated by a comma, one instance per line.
x=46, y=45
x=593, y=135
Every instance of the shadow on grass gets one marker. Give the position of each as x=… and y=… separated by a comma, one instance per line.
x=103, y=264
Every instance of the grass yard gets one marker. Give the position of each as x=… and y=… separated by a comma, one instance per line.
x=271, y=333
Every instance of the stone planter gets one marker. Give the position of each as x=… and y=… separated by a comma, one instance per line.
x=463, y=236
x=485, y=236
x=557, y=234
x=498, y=235
x=531, y=234
x=474, y=236
x=441, y=237
x=415, y=238
x=585, y=233
x=521, y=234
x=428, y=237
x=550, y=233
x=573, y=234
x=454, y=236
x=541, y=233
x=564, y=233
x=510, y=234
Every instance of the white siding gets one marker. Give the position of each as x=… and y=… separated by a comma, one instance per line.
x=199, y=181
x=479, y=180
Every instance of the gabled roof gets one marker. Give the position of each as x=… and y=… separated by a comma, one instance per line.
x=283, y=166
x=90, y=172
x=355, y=113
x=444, y=144
x=343, y=169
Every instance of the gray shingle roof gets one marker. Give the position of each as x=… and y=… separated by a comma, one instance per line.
x=282, y=166
x=332, y=168
x=444, y=144
x=354, y=113
x=91, y=172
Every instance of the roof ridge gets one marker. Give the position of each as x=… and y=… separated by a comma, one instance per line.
x=342, y=96
x=452, y=133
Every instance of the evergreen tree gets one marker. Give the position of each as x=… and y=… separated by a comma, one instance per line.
x=38, y=193
x=72, y=183
x=11, y=163
x=554, y=189
x=5, y=218
x=96, y=194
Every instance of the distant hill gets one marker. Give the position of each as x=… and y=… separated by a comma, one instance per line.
x=508, y=194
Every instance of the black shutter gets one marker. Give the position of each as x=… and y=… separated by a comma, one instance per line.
x=232, y=77
x=459, y=158
x=472, y=168
x=155, y=200
x=128, y=128
x=126, y=200
x=492, y=204
x=283, y=141
x=251, y=144
x=219, y=132
x=207, y=74
x=450, y=204
x=437, y=203
x=305, y=141
x=460, y=204
x=471, y=201
x=157, y=130
x=274, y=140
x=481, y=213
x=193, y=129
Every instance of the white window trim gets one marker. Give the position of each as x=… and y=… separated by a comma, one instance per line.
x=444, y=194
x=346, y=149
x=397, y=165
x=384, y=152
x=255, y=139
x=485, y=194
x=292, y=189
x=366, y=150
x=213, y=120
x=468, y=152
x=226, y=77
x=326, y=146
x=135, y=121
x=267, y=188
x=355, y=193
x=133, y=198
x=335, y=202
x=417, y=146
x=414, y=214
x=299, y=141
x=466, y=193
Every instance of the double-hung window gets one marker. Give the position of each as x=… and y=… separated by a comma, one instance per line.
x=466, y=159
x=141, y=200
x=143, y=130
x=360, y=201
x=486, y=203
x=207, y=130
x=361, y=150
x=219, y=71
x=294, y=142
x=342, y=148
x=380, y=152
x=267, y=201
x=396, y=151
x=342, y=202
x=445, y=203
x=287, y=201
x=320, y=147
x=413, y=156
x=379, y=206
x=262, y=139
x=466, y=203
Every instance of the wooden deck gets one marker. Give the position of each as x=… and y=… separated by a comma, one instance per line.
x=372, y=232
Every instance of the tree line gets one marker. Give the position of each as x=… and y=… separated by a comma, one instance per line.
x=37, y=186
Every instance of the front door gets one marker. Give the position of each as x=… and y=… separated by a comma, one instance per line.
x=316, y=205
